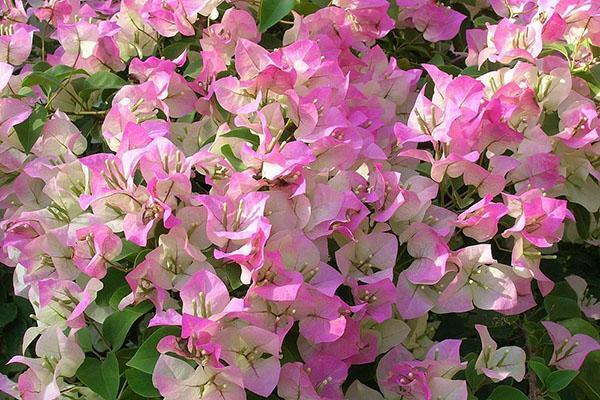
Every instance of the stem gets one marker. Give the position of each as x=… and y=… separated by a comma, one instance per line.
x=531, y=376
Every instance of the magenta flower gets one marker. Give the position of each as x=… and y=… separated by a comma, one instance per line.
x=539, y=218
x=95, y=249
x=480, y=221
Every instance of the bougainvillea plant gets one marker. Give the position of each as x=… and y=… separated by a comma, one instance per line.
x=299, y=199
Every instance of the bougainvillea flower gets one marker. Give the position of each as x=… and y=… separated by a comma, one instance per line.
x=430, y=253
x=369, y=259
x=94, y=250
x=539, y=218
x=570, y=350
x=588, y=303
x=177, y=380
x=499, y=363
x=478, y=283
x=255, y=352
x=480, y=221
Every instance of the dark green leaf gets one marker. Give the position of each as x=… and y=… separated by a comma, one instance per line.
x=105, y=80
x=147, y=355
x=44, y=80
x=587, y=380
x=174, y=50
x=482, y=20
x=61, y=72
x=233, y=273
x=559, y=308
x=595, y=73
x=112, y=281
x=583, y=219
x=8, y=313
x=473, y=71
x=473, y=378
x=550, y=124
x=558, y=380
x=306, y=7
x=85, y=339
x=141, y=383
x=30, y=130
x=100, y=81
x=272, y=11
x=41, y=66
x=504, y=392
x=579, y=325
x=393, y=10
x=117, y=325
x=194, y=65
x=540, y=369
x=118, y=295
x=128, y=249
x=101, y=376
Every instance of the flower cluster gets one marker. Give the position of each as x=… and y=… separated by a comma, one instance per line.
x=202, y=199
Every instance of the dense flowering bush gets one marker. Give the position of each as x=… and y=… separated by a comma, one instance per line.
x=354, y=199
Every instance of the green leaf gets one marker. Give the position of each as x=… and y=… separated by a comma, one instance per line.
x=246, y=134
x=540, y=369
x=272, y=11
x=559, y=308
x=30, y=130
x=306, y=7
x=100, y=81
x=112, y=281
x=128, y=249
x=552, y=396
x=580, y=325
x=233, y=273
x=105, y=80
x=482, y=20
x=117, y=325
x=118, y=295
x=591, y=389
x=587, y=380
x=393, y=10
x=141, y=256
x=550, y=124
x=194, y=65
x=504, y=392
x=583, y=219
x=41, y=66
x=85, y=339
x=558, y=380
x=101, y=376
x=141, y=383
x=147, y=355
x=563, y=49
x=44, y=80
x=473, y=71
x=595, y=73
x=210, y=140
x=176, y=49
x=235, y=162
x=473, y=378
x=61, y=72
